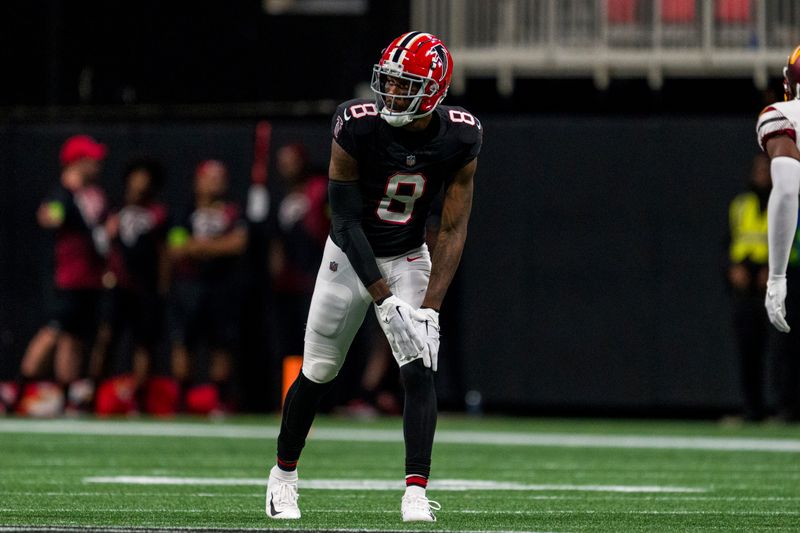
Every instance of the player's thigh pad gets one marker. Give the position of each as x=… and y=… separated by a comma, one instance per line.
x=337, y=310
x=408, y=279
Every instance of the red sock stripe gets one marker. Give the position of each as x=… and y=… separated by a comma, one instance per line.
x=417, y=480
x=286, y=464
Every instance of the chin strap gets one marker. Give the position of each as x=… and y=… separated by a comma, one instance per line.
x=397, y=121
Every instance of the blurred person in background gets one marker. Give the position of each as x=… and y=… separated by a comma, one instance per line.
x=205, y=247
x=303, y=221
x=75, y=212
x=747, y=274
x=139, y=276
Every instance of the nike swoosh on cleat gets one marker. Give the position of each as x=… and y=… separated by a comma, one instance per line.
x=412, y=259
x=272, y=510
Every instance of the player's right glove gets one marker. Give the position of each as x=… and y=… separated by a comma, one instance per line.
x=775, y=304
x=396, y=320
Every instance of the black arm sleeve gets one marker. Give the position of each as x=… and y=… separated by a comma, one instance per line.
x=346, y=230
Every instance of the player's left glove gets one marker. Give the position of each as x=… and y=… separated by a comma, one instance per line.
x=427, y=324
x=775, y=304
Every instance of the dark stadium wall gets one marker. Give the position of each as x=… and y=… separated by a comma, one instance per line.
x=591, y=277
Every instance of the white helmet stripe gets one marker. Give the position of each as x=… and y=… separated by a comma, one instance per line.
x=402, y=44
x=411, y=43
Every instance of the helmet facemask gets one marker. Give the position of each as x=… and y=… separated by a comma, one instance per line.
x=418, y=88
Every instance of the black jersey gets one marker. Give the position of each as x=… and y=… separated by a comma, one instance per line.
x=400, y=172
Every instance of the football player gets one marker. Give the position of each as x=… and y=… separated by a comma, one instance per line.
x=75, y=212
x=389, y=159
x=205, y=245
x=139, y=268
x=777, y=135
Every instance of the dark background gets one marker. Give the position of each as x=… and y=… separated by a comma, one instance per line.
x=169, y=53
x=592, y=276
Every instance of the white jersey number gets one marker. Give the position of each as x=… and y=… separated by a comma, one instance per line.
x=404, y=189
x=462, y=116
x=360, y=110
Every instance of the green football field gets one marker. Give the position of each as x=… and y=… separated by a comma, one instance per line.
x=488, y=474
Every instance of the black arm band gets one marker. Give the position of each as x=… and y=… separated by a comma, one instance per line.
x=346, y=230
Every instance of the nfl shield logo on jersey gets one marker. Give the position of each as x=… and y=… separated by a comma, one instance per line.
x=411, y=160
x=334, y=266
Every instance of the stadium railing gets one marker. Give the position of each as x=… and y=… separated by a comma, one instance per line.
x=604, y=39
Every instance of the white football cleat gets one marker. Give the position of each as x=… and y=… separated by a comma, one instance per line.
x=416, y=508
x=282, y=495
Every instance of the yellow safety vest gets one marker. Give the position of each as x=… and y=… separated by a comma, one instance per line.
x=748, y=223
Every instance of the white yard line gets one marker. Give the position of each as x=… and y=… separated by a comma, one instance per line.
x=286, y=529
x=379, y=484
x=171, y=429
x=571, y=512
x=657, y=497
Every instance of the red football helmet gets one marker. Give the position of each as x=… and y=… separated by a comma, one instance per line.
x=411, y=77
x=791, y=76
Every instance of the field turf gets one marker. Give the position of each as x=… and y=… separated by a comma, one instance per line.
x=492, y=475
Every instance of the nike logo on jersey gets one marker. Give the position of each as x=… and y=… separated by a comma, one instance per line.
x=399, y=313
x=272, y=510
x=412, y=259
x=346, y=116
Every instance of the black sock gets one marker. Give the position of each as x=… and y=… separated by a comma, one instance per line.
x=299, y=409
x=419, y=417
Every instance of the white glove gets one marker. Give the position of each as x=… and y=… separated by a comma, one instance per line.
x=775, y=304
x=427, y=323
x=396, y=322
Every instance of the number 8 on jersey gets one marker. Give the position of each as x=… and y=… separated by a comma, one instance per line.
x=404, y=189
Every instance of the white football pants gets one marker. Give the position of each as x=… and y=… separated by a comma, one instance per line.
x=340, y=303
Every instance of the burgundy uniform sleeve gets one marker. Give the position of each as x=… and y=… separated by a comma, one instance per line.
x=772, y=123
